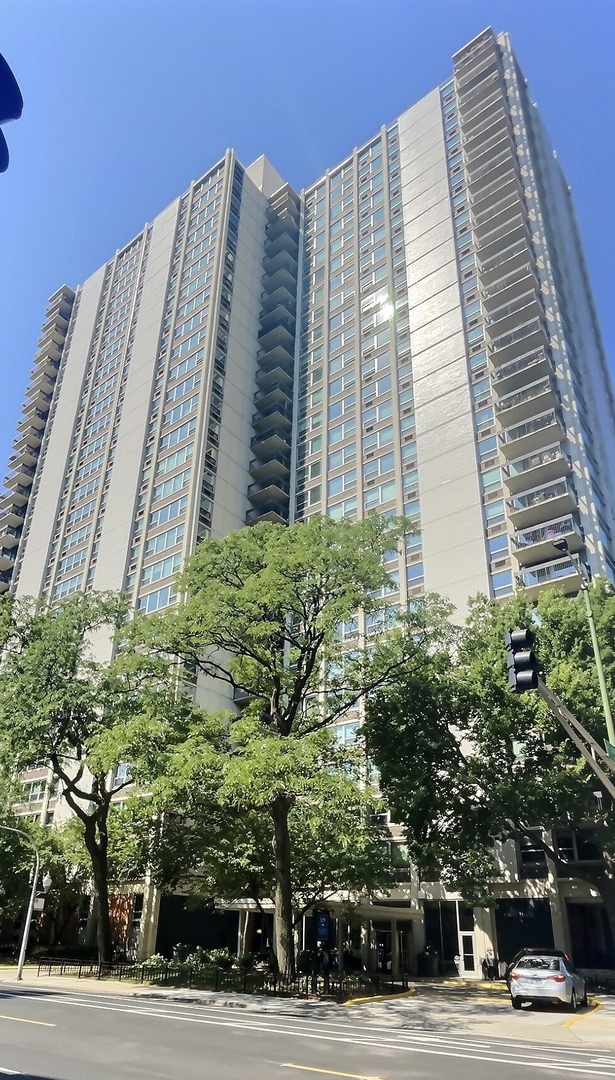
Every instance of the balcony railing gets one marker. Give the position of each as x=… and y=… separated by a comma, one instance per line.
x=548, y=572
x=538, y=423
x=537, y=389
x=534, y=461
x=540, y=495
x=550, y=531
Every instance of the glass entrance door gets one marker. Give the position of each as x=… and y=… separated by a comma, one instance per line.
x=467, y=953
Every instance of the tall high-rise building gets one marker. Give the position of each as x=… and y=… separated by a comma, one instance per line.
x=414, y=333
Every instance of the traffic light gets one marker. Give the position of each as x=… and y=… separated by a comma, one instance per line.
x=11, y=105
x=521, y=660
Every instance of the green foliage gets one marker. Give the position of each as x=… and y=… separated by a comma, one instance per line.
x=464, y=762
x=59, y=704
x=264, y=612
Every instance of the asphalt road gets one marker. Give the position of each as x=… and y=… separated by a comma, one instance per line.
x=67, y=1036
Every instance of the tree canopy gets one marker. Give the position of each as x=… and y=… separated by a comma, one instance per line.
x=274, y=613
x=464, y=762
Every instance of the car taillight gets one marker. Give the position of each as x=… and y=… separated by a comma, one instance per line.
x=514, y=975
x=558, y=978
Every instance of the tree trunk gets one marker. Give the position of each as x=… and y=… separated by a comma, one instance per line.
x=97, y=850
x=283, y=911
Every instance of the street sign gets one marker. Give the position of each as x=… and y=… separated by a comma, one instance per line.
x=322, y=926
x=39, y=903
x=610, y=749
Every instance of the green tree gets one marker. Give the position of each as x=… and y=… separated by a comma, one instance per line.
x=266, y=612
x=464, y=762
x=217, y=849
x=83, y=717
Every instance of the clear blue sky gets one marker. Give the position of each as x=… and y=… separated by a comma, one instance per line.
x=126, y=101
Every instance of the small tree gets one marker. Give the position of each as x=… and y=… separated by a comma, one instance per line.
x=83, y=717
x=267, y=612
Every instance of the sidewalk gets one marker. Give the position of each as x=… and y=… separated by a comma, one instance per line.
x=450, y=988
x=440, y=1005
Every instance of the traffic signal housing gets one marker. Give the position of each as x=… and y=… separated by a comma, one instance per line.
x=11, y=105
x=521, y=660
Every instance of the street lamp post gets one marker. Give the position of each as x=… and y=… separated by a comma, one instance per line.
x=562, y=546
x=26, y=929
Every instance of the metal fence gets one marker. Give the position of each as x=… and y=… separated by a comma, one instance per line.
x=236, y=981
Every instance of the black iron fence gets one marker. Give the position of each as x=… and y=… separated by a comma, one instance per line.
x=334, y=984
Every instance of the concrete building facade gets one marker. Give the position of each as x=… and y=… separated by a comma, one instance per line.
x=414, y=333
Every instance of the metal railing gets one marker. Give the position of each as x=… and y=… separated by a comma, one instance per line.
x=246, y=981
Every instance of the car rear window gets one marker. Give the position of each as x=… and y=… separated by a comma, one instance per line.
x=539, y=963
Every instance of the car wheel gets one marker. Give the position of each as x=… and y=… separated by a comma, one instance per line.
x=515, y=1002
x=573, y=1001
x=584, y=1001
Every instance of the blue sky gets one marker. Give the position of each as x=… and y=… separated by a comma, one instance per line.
x=126, y=101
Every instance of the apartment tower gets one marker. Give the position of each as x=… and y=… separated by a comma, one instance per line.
x=413, y=333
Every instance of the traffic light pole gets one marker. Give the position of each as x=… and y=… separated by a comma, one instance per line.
x=606, y=705
x=595, y=756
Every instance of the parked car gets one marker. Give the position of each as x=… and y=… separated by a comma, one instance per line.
x=532, y=952
x=547, y=978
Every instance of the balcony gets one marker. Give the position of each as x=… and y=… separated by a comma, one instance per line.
x=36, y=419
x=503, y=263
x=282, y=260
x=7, y=558
x=497, y=216
x=278, y=316
x=510, y=346
x=274, y=357
x=494, y=168
x=274, y=377
x=530, y=401
x=277, y=391
x=27, y=456
x=273, y=440
x=5, y=580
x=282, y=225
x=540, y=468
x=514, y=230
x=536, y=545
x=277, y=336
x=280, y=297
x=13, y=514
x=487, y=196
x=22, y=475
x=282, y=277
x=282, y=242
x=28, y=442
x=269, y=491
x=505, y=318
x=20, y=493
x=275, y=467
x=559, y=572
x=269, y=511
x=514, y=375
x=9, y=534
x=279, y=415
x=536, y=434
x=551, y=500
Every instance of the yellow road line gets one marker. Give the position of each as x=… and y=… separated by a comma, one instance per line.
x=596, y=1005
x=380, y=997
x=328, y=1072
x=21, y=1020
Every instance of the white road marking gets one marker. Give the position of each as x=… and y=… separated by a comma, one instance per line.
x=383, y=1043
